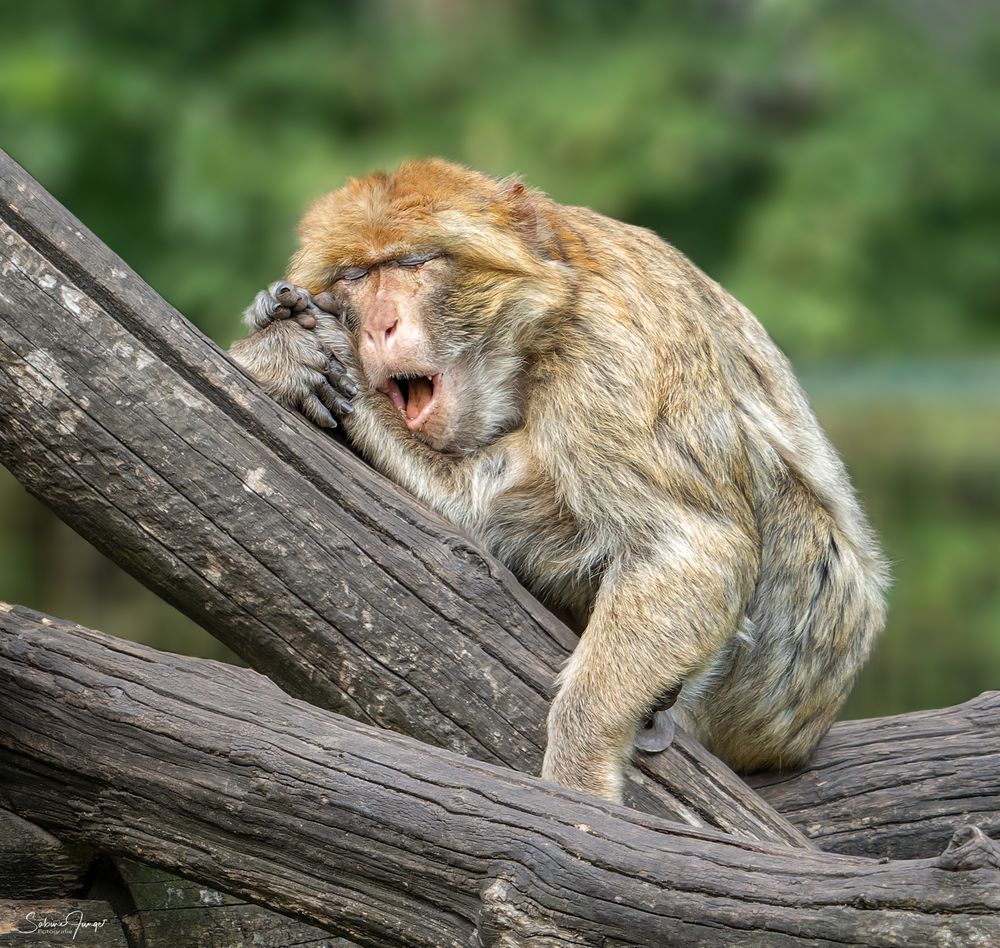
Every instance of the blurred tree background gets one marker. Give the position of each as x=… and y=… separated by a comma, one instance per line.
x=835, y=164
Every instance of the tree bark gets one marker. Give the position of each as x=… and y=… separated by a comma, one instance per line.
x=166, y=911
x=143, y=436
x=34, y=864
x=898, y=786
x=47, y=887
x=211, y=771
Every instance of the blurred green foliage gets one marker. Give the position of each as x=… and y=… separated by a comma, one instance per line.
x=834, y=164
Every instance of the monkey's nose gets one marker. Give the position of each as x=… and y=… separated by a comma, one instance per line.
x=381, y=336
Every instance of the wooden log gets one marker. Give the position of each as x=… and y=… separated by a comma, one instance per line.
x=169, y=911
x=211, y=771
x=898, y=786
x=42, y=881
x=143, y=436
x=36, y=865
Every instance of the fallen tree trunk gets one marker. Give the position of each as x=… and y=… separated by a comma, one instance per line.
x=210, y=771
x=169, y=912
x=897, y=786
x=143, y=436
x=34, y=864
x=47, y=888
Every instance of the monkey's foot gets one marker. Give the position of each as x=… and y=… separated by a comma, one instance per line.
x=658, y=734
x=281, y=300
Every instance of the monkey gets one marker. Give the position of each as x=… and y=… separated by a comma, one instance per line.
x=612, y=425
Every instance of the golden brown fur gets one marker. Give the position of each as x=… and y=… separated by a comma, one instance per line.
x=616, y=428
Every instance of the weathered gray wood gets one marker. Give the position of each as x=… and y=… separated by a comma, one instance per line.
x=897, y=786
x=41, y=874
x=34, y=864
x=209, y=770
x=136, y=430
x=171, y=911
x=46, y=923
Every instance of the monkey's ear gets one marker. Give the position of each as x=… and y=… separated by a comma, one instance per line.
x=522, y=206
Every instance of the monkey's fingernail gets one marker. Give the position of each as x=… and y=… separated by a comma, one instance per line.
x=346, y=407
x=351, y=389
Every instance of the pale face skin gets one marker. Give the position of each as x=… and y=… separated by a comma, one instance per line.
x=386, y=303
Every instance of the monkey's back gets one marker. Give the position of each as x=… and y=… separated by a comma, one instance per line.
x=773, y=690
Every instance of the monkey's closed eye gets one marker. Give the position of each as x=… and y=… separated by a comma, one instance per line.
x=416, y=260
x=353, y=273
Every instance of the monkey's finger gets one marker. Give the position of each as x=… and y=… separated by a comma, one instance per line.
x=330, y=397
x=287, y=294
x=347, y=385
x=327, y=302
x=337, y=373
x=335, y=402
x=316, y=412
x=264, y=310
x=658, y=734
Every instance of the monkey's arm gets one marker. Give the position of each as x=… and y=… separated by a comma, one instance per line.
x=660, y=484
x=661, y=612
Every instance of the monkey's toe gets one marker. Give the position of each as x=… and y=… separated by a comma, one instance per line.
x=295, y=301
x=327, y=302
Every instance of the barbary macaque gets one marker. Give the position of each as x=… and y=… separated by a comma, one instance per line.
x=612, y=425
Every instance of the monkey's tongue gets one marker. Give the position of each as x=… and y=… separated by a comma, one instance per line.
x=414, y=398
x=420, y=393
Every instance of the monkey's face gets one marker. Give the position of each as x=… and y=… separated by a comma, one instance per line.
x=437, y=284
x=395, y=310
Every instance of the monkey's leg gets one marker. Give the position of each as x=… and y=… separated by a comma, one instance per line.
x=652, y=626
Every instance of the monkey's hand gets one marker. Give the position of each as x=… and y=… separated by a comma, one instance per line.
x=299, y=353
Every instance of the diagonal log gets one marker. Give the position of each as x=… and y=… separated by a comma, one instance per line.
x=211, y=771
x=897, y=786
x=143, y=436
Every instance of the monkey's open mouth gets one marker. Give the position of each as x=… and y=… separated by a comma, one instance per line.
x=414, y=396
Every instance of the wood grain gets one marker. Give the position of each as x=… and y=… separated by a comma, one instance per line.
x=899, y=786
x=211, y=771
